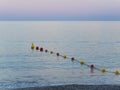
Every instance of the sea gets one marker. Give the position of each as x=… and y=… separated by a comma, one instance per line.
x=92, y=42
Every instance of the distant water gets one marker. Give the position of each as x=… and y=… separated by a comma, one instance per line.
x=95, y=42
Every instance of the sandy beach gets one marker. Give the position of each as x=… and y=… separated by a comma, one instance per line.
x=72, y=87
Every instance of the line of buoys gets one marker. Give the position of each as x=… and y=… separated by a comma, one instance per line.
x=92, y=66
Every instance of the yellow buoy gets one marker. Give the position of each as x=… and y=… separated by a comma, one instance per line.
x=32, y=46
x=64, y=56
x=81, y=62
x=51, y=52
x=116, y=72
x=103, y=70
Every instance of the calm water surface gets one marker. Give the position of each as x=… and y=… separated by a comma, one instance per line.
x=93, y=42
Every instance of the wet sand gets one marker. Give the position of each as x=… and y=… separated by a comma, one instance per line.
x=73, y=87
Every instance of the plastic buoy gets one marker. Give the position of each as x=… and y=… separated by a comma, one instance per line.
x=72, y=59
x=64, y=56
x=103, y=70
x=46, y=50
x=41, y=49
x=116, y=72
x=57, y=54
x=81, y=62
x=37, y=48
x=92, y=68
x=51, y=52
x=32, y=46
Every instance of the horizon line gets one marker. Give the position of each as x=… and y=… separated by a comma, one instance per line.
x=53, y=20
x=59, y=19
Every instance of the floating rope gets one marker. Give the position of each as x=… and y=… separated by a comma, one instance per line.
x=92, y=66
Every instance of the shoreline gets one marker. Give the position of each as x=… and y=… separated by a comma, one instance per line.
x=72, y=87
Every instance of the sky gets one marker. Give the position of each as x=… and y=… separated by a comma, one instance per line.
x=60, y=10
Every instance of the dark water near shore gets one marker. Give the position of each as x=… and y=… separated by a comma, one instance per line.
x=93, y=42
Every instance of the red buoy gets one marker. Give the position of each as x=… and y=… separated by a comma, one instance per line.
x=37, y=48
x=92, y=68
x=41, y=49
x=46, y=51
x=72, y=59
x=57, y=54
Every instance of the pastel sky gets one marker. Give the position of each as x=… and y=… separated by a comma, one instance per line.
x=60, y=9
